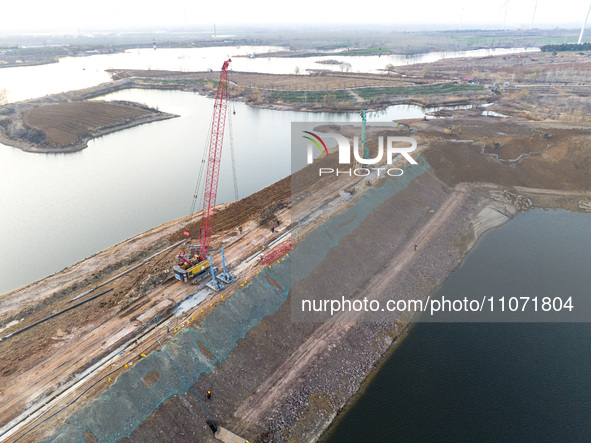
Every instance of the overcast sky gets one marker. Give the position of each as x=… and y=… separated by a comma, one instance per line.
x=78, y=16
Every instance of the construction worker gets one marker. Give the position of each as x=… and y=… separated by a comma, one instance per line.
x=240, y=229
x=208, y=395
x=272, y=229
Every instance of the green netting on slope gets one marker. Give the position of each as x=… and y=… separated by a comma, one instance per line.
x=220, y=330
x=128, y=402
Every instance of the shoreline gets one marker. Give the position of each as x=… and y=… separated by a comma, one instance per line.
x=352, y=401
x=83, y=143
x=16, y=110
x=16, y=133
x=552, y=199
x=398, y=340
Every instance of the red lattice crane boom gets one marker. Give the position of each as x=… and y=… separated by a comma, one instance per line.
x=213, y=161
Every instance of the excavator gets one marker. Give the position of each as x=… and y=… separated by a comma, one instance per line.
x=410, y=130
x=496, y=145
x=541, y=133
x=451, y=129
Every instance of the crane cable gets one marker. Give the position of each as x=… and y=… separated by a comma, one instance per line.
x=197, y=194
x=236, y=198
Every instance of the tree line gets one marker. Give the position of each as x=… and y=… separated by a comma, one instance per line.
x=567, y=47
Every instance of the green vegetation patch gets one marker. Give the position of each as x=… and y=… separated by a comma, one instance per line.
x=567, y=47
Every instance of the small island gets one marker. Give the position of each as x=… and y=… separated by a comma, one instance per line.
x=61, y=125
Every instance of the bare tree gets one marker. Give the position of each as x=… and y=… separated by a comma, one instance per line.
x=3, y=96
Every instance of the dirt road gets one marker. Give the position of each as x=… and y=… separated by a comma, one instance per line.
x=282, y=381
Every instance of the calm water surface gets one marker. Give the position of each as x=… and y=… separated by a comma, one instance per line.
x=492, y=381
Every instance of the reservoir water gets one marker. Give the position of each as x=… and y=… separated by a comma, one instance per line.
x=495, y=381
x=73, y=73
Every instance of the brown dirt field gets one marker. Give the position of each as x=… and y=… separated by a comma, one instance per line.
x=239, y=213
x=562, y=162
x=68, y=123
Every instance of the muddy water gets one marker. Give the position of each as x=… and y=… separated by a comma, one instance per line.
x=58, y=209
x=494, y=381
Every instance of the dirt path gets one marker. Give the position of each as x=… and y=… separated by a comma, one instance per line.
x=285, y=378
x=356, y=96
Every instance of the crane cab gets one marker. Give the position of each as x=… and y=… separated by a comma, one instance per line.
x=185, y=275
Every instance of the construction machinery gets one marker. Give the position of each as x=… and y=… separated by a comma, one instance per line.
x=541, y=133
x=219, y=278
x=189, y=266
x=408, y=128
x=452, y=129
x=199, y=261
x=494, y=144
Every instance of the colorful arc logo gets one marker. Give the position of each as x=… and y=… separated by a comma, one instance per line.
x=316, y=142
